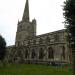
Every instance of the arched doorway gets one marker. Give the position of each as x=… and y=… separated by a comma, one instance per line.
x=50, y=53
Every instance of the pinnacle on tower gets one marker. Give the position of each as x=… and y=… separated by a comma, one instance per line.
x=26, y=12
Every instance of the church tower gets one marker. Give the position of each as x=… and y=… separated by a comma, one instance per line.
x=25, y=28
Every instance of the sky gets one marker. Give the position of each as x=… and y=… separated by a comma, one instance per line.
x=48, y=13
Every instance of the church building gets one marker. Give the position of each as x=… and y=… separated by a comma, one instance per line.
x=32, y=48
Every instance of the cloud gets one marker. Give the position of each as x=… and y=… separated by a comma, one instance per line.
x=48, y=13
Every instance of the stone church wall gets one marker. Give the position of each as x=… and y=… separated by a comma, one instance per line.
x=42, y=48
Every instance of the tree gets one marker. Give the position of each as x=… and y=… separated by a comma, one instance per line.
x=69, y=15
x=2, y=48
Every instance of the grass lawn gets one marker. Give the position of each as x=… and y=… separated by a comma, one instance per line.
x=33, y=69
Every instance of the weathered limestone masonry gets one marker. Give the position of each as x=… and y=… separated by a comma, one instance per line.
x=30, y=48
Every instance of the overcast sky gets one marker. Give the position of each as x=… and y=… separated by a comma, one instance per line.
x=48, y=13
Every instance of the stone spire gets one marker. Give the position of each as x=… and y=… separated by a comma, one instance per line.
x=26, y=12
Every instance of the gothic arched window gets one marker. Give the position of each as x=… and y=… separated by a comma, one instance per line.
x=20, y=53
x=47, y=39
x=63, y=52
x=34, y=42
x=40, y=40
x=41, y=53
x=50, y=53
x=33, y=54
x=56, y=38
x=26, y=54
